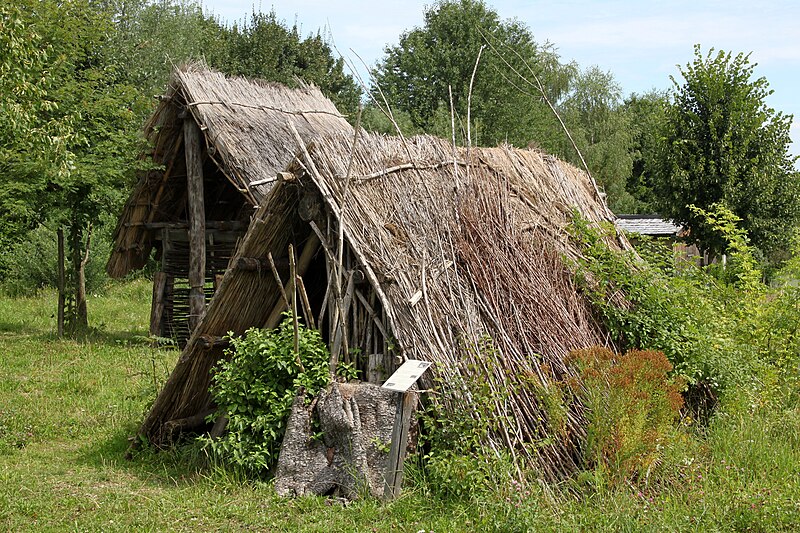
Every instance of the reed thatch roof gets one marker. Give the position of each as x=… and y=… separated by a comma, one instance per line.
x=465, y=251
x=246, y=130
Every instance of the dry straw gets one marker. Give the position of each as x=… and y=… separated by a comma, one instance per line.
x=452, y=258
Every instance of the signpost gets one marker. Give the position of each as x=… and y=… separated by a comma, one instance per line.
x=402, y=380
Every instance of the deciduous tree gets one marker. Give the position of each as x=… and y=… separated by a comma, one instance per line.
x=430, y=63
x=724, y=144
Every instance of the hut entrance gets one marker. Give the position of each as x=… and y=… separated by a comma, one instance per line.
x=198, y=200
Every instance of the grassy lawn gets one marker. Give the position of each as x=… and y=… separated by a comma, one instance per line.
x=67, y=410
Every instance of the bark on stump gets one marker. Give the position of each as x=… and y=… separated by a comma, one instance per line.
x=350, y=459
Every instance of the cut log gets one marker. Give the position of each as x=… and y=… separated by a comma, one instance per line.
x=209, y=341
x=174, y=428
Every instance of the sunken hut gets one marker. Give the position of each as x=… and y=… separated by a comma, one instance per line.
x=403, y=248
x=217, y=145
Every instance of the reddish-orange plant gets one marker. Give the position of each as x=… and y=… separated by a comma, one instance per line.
x=632, y=405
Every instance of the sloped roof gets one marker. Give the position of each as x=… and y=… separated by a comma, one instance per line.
x=461, y=245
x=245, y=126
x=652, y=225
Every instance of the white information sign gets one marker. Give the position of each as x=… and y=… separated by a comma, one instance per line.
x=406, y=375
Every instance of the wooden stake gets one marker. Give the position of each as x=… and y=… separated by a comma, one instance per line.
x=197, y=222
x=157, y=309
x=397, y=453
x=293, y=285
x=62, y=295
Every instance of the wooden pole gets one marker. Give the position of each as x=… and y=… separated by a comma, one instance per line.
x=62, y=282
x=197, y=221
x=397, y=453
x=303, y=262
x=157, y=308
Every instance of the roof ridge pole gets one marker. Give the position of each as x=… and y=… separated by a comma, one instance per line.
x=197, y=221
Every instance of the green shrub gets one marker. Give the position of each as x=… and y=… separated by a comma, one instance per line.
x=458, y=462
x=255, y=389
x=710, y=326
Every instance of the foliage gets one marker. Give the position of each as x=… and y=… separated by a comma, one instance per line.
x=152, y=37
x=457, y=462
x=255, y=389
x=632, y=405
x=646, y=113
x=725, y=145
x=31, y=143
x=155, y=36
x=265, y=48
x=95, y=116
x=742, y=269
x=418, y=75
x=602, y=130
x=33, y=264
x=719, y=327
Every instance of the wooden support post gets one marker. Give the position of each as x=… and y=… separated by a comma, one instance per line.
x=62, y=282
x=197, y=221
x=406, y=401
x=157, y=306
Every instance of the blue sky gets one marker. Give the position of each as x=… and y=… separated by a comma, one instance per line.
x=640, y=42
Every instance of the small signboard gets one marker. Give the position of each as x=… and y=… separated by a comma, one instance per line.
x=406, y=375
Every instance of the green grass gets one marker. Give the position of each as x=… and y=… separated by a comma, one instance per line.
x=67, y=409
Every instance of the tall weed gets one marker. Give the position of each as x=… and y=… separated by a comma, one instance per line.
x=632, y=405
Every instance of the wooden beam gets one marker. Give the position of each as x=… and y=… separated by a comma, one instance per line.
x=228, y=225
x=157, y=306
x=197, y=221
x=257, y=264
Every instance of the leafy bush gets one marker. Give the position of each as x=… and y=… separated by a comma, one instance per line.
x=706, y=324
x=255, y=389
x=632, y=406
x=458, y=463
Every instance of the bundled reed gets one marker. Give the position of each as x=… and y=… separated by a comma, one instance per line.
x=409, y=248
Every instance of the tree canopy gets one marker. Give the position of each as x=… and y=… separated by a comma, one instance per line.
x=725, y=145
x=76, y=81
x=431, y=63
x=601, y=128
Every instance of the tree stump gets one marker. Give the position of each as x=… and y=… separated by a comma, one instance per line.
x=351, y=457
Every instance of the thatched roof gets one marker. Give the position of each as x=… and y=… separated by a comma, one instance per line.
x=246, y=130
x=652, y=225
x=460, y=246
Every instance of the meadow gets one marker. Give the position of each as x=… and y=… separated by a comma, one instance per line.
x=68, y=409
